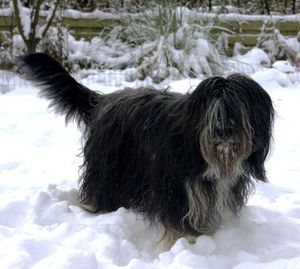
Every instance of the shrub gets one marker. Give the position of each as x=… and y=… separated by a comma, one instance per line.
x=162, y=42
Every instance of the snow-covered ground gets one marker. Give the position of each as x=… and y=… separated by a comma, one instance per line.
x=42, y=226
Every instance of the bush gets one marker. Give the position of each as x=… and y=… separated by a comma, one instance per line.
x=6, y=58
x=162, y=42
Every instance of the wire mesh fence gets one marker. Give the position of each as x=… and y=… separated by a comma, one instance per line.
x=118, y=79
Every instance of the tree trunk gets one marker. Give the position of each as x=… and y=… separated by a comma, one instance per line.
x=209, y=5
x=31, y=45
x=294, y=7
x=267, y=7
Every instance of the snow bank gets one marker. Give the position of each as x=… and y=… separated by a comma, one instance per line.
x=97, y=14
x=6, y=12
x=43, y=226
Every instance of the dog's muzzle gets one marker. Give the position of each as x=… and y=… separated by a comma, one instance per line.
x=226, y=151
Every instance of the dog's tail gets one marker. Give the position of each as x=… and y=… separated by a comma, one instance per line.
x=67, y=96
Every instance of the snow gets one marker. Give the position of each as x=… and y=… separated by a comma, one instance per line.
x=246, y=18
x=25, y=17
x=6, y=12
x=96, y=14
x=252, y=61
x=42, y=225
x=284, y=66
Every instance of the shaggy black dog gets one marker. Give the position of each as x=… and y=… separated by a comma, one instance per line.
x=186, y=161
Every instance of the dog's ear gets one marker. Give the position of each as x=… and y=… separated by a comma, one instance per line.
x=261, y=116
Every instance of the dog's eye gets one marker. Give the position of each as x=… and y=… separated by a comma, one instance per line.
x=229, y=124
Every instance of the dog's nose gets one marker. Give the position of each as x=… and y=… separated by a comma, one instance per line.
x=224, y=133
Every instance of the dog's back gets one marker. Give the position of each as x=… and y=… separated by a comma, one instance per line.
x=67, y=96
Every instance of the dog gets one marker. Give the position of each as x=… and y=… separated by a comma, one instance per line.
x=186, y=161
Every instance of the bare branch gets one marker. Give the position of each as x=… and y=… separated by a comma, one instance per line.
x=35, y=19
x=51, y=19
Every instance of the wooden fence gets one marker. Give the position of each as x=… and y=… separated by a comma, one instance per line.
x=242, y=28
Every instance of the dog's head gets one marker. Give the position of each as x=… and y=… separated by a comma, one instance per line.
x=233, y=118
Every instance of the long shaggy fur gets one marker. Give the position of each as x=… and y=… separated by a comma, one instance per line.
x=186, y=161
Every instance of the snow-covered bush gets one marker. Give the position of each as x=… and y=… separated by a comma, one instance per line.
x=6, y=59
x=277, y=46
x=162, y=42
x=249, y=62
x=55, y=43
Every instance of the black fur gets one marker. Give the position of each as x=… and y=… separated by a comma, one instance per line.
x=181, y=160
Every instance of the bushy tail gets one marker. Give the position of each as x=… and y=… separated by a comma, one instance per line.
x=67, y=96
